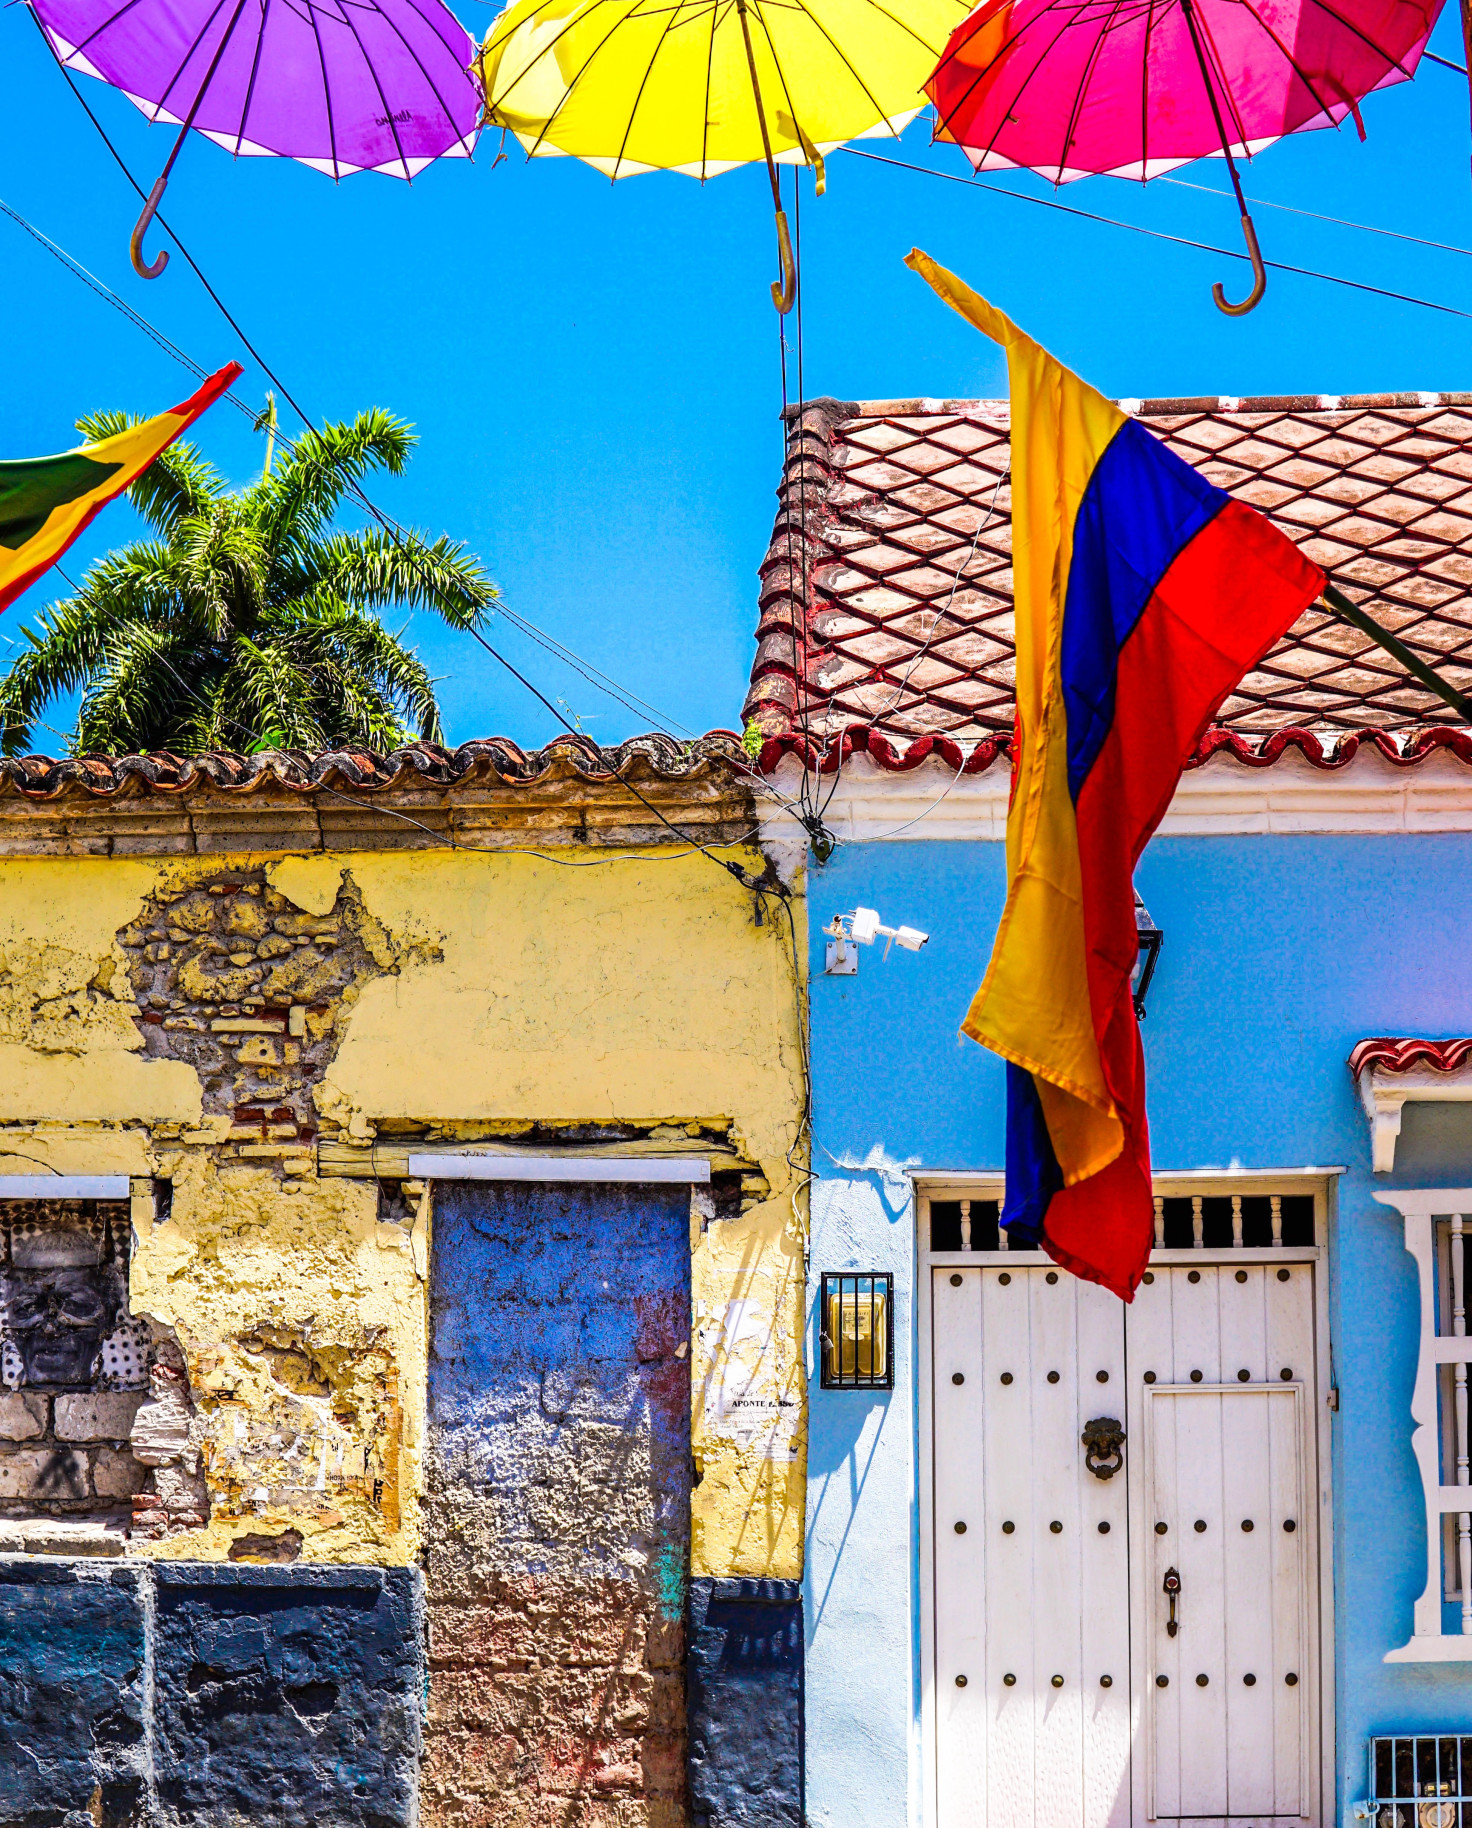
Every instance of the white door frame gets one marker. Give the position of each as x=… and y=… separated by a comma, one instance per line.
x=1322, y=1183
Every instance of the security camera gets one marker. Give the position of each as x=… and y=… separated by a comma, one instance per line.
x=862, y=927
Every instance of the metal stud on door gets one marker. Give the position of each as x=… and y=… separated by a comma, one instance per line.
x=1226, y=1660
x=1040, y=1737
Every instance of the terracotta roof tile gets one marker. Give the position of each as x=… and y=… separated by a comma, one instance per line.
x=892, y=511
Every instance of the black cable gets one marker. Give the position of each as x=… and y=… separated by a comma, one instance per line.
x=743, y=876
x=1183, y=241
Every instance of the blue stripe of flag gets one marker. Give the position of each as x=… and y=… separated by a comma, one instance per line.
x=1141, y=508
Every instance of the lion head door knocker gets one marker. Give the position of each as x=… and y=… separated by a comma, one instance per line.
x=1103, y=1440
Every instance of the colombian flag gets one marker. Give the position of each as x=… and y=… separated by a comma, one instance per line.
x=1143, y=594
x=45, y=502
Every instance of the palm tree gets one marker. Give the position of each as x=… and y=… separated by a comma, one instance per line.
x=248, y=623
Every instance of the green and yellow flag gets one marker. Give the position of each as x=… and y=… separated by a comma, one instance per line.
x=45, y=502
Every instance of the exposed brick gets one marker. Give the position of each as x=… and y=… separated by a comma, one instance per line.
x=102, y=1415
x=22, y=1416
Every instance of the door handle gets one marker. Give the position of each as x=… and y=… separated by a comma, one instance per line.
x=1172, y=1587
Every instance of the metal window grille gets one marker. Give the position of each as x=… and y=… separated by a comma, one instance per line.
x=1421, y=1782
x=856, y=1328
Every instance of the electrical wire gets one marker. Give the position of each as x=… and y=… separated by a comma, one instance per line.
x=601, y=681
x=1135, y=228
x=395, y=532
x=1289, y=209
x=106, y=293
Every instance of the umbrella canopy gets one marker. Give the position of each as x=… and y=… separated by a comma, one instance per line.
x=646, y=85
x=1135, y=88
x=1072, y=87
x=700, y=86
x=341, y=85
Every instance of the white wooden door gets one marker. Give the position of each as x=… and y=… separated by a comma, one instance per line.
x=1061, y=1699
x=1032, y=1619
x=1221, y=1367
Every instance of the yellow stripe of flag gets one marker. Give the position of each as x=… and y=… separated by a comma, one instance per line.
x=1033, y=1007
x=45, y=502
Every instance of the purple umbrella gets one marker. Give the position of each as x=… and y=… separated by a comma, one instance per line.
x=341, y=85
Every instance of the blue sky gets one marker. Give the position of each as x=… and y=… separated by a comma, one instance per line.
x=593, y=368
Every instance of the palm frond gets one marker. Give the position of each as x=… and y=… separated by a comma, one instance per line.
x=177, y=483
x=337, y=641
x=139, y=698
x=304, y=491
x=247, y=620
x=380, y=570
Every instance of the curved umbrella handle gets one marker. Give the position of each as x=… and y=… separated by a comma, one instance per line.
x=140, y=229
x=1259, y=277
x=783, y=295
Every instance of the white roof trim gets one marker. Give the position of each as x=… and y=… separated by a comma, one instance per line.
x=608, y=1168
x=1224, y=798
x=64, y=1187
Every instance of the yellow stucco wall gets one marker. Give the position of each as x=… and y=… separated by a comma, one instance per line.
x=519, y=990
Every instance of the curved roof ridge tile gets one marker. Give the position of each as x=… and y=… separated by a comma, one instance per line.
x=659, y=756
x=1254, y=749
x=1400, y=1053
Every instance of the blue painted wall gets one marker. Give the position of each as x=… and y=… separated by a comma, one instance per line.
x=71, y=1693
x=558, y=1521
x=1280, y=954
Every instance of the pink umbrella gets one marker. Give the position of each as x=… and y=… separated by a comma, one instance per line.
x=341, y=85
x=1134, y=88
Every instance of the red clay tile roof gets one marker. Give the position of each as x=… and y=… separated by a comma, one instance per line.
x=1399, y=1054
x=488, y=760
x=894, y=528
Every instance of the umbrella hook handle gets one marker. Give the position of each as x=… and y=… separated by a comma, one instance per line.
x=783, y=295
x=1259, y=277
x=140, y=229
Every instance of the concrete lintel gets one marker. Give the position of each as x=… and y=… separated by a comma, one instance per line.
x=558, y=1168
x=64, y=1187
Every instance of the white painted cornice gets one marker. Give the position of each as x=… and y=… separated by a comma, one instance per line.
x=1385, y=1094
x=1369, y=795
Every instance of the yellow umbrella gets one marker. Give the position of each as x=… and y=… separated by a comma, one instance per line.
x=700, y=86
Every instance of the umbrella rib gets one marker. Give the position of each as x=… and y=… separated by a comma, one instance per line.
x=393, y=125
x=827, y=36
x=1095, y=52
x=710, y=62
x=660, y=43
x=1205, y=39
x=1293, y=63
x=250, y=87
x=1145, y=91
x=414, y=56
x=326, y=92
x=1043, y=55
x=1348, y=25
x=904, y=25
x=583, y=68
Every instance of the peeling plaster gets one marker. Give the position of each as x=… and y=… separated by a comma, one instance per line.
x=503, y=992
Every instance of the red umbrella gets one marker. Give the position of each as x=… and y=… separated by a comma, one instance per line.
x=1135, y=88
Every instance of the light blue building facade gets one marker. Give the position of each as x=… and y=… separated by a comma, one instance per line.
x=1311, y=897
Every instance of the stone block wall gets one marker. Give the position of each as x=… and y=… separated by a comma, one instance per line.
x=67, y=1452
x=207, y=1696
x=558, y=1512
